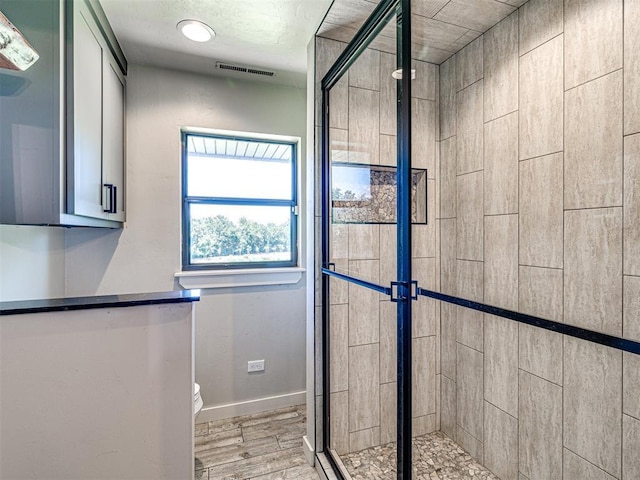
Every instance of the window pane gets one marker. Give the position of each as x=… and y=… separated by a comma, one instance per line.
x=238, y=234
x=235, y=169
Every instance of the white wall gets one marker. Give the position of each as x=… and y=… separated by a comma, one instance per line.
x=31, y=262
x=232, y=325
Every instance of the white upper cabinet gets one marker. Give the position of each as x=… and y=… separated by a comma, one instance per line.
x=95, y=187
x=62, y=121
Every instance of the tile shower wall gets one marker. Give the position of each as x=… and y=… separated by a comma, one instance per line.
x=363, y=322
x=540, y=213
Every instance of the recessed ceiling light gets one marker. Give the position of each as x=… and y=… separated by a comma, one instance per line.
x=196, y=30
x=398, y=74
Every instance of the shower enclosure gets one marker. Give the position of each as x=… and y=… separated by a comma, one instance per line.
x=477, y=306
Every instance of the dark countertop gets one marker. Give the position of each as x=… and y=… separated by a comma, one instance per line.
x=101, y=301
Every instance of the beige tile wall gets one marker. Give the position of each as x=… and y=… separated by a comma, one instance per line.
x=540, y=214
x=363, y=322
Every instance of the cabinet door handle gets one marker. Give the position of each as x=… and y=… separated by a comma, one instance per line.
x=111, y=208
x=114, y=201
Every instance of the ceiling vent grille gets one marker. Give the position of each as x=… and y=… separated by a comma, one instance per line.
x=241, y=69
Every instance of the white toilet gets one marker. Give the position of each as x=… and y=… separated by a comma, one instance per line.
x=197, y=400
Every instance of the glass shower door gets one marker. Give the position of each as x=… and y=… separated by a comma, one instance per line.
x=362, y=297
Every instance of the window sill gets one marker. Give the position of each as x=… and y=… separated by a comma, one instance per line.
x=239, y=278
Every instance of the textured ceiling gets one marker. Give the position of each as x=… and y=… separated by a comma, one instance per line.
x=439, y=27
x=273, y=34
x=268, y=34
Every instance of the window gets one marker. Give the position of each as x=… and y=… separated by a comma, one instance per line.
x=239, y=202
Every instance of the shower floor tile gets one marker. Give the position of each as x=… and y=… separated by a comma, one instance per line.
x=262, y=446
x=435, y=456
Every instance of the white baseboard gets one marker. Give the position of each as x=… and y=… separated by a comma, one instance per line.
x=308, y=450
x=230, y=410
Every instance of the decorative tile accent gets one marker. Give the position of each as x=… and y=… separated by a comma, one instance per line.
x=500, y=443
x=593, y=39
x=501, y=165
x=469, y=64
x=593, y=269
x=364, y=390
x=593, y=144
x=631, y=68
x=470, y=393
x=501, y=366
x=592, y=426
x=501, y=261
x=540, y=428
x=540, y=21
x=470, y=128
x=541, y=98
x=470, y=216
x=541, y=212
x=632, y=205
x=501, y=69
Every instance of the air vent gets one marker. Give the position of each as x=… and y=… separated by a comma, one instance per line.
x=241, y=69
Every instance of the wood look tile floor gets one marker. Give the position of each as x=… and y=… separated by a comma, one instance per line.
x=261, y=446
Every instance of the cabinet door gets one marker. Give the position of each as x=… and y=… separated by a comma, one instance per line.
x=85, y=188
x=113, y=140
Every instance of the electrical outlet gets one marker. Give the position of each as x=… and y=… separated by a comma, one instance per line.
x=255, y=366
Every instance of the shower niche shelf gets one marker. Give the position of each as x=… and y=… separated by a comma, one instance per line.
x=366, y=194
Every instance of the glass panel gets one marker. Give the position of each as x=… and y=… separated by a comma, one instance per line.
x=362, y=138
x=225, y=234
x=235, y=169
x=362, y=244
x=363, y=386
